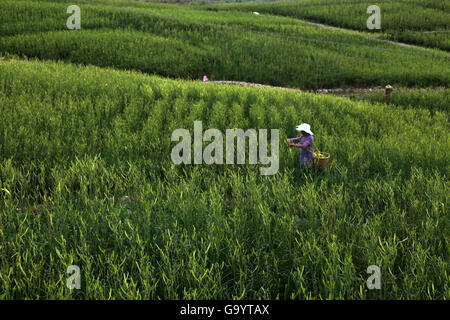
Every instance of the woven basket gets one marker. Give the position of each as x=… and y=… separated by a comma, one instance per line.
x=322, y=163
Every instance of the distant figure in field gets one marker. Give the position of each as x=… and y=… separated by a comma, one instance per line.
x=387, y=92
x=305, y=142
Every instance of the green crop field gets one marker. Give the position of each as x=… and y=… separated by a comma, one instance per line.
x=87, y=178
x=416, y=22
x=432, y=99
x=231, y=46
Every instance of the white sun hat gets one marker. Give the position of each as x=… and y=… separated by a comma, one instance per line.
x=304, y=127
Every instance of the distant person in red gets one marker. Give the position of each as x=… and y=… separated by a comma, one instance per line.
x=305, y=142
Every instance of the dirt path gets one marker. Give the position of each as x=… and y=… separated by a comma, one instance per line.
x=336, y=91
x=252, y=84
x=331, y=90
x=437, y=31
x=320, y=25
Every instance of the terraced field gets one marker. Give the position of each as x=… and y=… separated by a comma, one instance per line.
x=423, y=23
x=185, y=43
x=87, y=179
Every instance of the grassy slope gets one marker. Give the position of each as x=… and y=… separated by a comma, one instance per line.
x=430, y=98
x=140, y=37
x=400, y=20
x=75, y=139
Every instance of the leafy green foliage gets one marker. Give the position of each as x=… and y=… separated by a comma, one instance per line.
x=404, y=20
x=74, y=140
x=433, y=99
x=188, y=43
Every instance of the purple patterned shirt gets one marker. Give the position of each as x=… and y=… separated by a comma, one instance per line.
x=307, y=152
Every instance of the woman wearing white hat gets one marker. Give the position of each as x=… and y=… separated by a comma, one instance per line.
x=305, y=142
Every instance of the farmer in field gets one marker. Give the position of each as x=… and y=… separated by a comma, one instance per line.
x=305, y=142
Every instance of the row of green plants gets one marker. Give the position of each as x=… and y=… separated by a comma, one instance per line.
x=400, y=20
x=293, y=55
x=433, y=99
x=87, y=180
